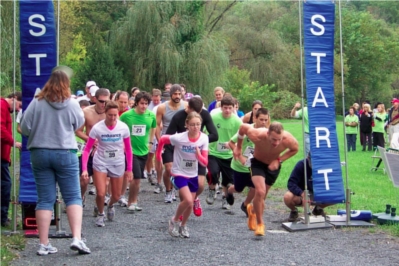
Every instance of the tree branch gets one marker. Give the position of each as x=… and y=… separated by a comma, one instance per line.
x=218, y=18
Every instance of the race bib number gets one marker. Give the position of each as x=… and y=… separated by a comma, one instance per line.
x=111, y=155
x=248, y=161
x=223, y=147
x=248, y=151
x=138, y=130
x=188, y=164
x=81, y=146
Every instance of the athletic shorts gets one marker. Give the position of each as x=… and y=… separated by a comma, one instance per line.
x=179, y=182
x=113, y=171
x=216, y=166
x=89, y=165
x=260, y=168
x=242, y=180
x=201, y=169
x=167, y=155
x=139, y=166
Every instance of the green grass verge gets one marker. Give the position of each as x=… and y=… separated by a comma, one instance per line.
x=11, y=244
x=373, y=190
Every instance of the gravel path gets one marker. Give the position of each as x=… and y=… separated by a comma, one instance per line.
x=219, y=237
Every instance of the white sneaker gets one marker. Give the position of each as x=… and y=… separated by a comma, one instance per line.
x=174, y=228
x=158, y=188
x=217, y=187
x=225, y=205
x=100, y=221
x=122, y=201
x=211, y=196
x=133, y=207
x=183, y=230
x=153, y=180
x=80, y=246
x=168, y=197
x=46, y=249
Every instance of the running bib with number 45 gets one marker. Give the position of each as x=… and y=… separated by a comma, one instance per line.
x=138, y=130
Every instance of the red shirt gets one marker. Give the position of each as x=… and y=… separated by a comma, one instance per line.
x=120, y=113
x=6, y=130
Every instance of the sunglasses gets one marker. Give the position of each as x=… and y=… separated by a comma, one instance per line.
x=102, y=101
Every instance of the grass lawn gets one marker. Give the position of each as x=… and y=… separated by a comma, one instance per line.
x=373, y=190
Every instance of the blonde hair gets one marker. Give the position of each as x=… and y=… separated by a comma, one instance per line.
x=382, y=108
x=219, y=89
x=366, y=105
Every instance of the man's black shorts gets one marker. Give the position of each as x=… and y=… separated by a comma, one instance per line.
x=262, y=169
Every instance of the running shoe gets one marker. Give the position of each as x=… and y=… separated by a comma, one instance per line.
x=95, y=211
x=46, y=249
x=158, y=188
x=168, y=197
x=211, y=196
x=100, y=221
x=122, y=201
x=133, y=207
x=225, y=205
x=174, y=228
x=251, y=218
x=80, y=246
x=153, y=180
x=197, y=209
x=110, y=213
x=217, y=187
x=183, y=230
x=92, y=190
x=293, y=215
x=260, y=230
x=244, y=209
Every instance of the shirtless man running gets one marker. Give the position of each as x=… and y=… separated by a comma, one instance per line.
x=93, y=114
x=272, y=147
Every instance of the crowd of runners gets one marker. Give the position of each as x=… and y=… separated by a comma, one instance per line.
x=171, y=139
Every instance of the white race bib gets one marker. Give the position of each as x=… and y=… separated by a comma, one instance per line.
x=248, y=151
x=223, y=147
x=248, y=161
x=138, y=130
x=111, y=155
x=188, y=164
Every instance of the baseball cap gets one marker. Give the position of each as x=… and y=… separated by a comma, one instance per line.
x=90, y=83
x=93, y=90
x=79, y=93
x=395, y=100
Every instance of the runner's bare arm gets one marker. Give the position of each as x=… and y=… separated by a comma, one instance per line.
x=292, y=147
x=151, y=136
x=80, y=131
x=160, y=112
x=244, y=128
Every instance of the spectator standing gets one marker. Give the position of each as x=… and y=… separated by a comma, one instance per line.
x=366, y=126
x=351, y=122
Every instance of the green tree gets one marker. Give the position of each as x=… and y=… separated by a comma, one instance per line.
x=100, y=67
x=371, y=53
x=160, y=42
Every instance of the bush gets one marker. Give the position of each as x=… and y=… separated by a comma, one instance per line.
x=279, y=102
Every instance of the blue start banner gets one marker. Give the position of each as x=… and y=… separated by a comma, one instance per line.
x=38, y=58
x=319, y=18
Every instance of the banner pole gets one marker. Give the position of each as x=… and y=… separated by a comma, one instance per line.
x=348, y=191
x=306, y=205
